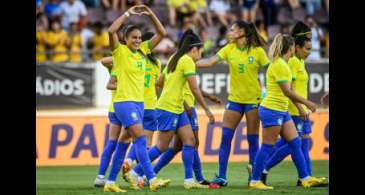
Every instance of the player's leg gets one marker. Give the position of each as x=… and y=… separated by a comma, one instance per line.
x=231, y=118
x=253, y=126
x=197, y=165
x=169, y=154
x=114, y=131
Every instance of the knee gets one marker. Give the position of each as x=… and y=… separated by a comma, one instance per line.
x=162, y=146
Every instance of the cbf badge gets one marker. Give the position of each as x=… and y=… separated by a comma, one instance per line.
x=175, y=122
x=250, y=59
x=134, y=116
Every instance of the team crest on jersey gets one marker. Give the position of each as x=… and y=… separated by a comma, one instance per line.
x=250, y=59
x=280, y=121
x=227, y=105
x=299, y=127
x=175, y=122
x=196, y=121
x=134, y=116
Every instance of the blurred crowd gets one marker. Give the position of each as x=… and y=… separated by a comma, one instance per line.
x=76, y=30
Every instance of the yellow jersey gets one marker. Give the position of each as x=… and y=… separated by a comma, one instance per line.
x=57, y=40
x=172, y=98
x=100, y=42
x=152, y=73
x=277, y=73
x=300, y=82
x=41, y=46
x=177, y=4
x=130, y=70
x=243, y=68
x=188, y=95
x=75, y=51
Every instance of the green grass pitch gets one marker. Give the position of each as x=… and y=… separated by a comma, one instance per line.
x=78, y=180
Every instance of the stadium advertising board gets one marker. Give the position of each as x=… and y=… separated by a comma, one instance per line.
x=79, y=140
x=215, y=80
x=62, y=85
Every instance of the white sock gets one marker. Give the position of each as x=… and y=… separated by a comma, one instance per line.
x=151, y=180
x=101, y=176
x=254, y=181
x=108, y=182
x=190, y=180
x=303, y=179
x=265, y=171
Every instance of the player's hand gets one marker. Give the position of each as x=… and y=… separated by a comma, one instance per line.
x=311, y=106
x=135, y=10
x=144, y=10
x=303, y=114
x=325, y=99
x=216, y=100
x=210, y=116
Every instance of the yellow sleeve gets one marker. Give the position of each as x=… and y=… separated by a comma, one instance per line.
x=146, y=47
x=188, y=67
x=223, y=53
x=263, y=59
x=280, y=73
x=105, y=39
x=294, y=67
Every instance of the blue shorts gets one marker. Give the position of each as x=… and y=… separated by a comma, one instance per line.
x=150, y=120
x=194, y=119
x=248, y=5
x=241, y=108
x=113, y=119
x=303, y=126
x=271, y=118
x=168, y=121
x=129, y=113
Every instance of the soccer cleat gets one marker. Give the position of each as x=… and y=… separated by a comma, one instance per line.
x=133, y=181
x=264, y=178
x=159, y=183
x=313, y=182
x=204, y=182
x=99, y=182
x=194, y=185
x=249, y=170
x=220, y=181
x=125, y=169
x=260, y=186
x=113, y=188
x=323, y=183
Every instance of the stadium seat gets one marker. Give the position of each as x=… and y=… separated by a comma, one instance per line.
x=111, y=15
x=299, y=14
x=284, y=16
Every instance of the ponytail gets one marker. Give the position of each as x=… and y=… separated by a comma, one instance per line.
x=280, y=46
x=254, y=38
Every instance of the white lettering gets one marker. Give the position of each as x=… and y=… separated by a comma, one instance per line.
x=220, y=81
x=207, y=82
x=316, y=83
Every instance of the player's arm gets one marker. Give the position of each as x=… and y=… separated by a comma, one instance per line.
x=161, y=31
x=193, y=84
x=188, y=109
x=112, y=83
x=115, y=26
x=212, y=98
x=107, y=62
x=207, y=62
x=285, y=88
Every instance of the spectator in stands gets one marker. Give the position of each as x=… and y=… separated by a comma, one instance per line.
x=39, y=7
x=72, y=11
x=187, y=24
x=75, y=43
x=41, y=37
x=56, y=41
x=312, y=6
x=52, y=9
x=208, y=43
x=100, y=41
x=294, y=4
x=41, y=17
x=178, y=10
x=200, y=8
x=221, y=9
x=165, y=47
x=261, y=29
x=248, y=10
x=222, y=38
x=269, y=10
x=317, y=38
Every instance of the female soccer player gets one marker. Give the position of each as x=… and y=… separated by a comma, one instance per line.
x=299, y=114
x=115, y=129
x=273, y=113
x=152, y=72
x=171, y=116
x=245, y=56
x=166, y=157
x=129, y=65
